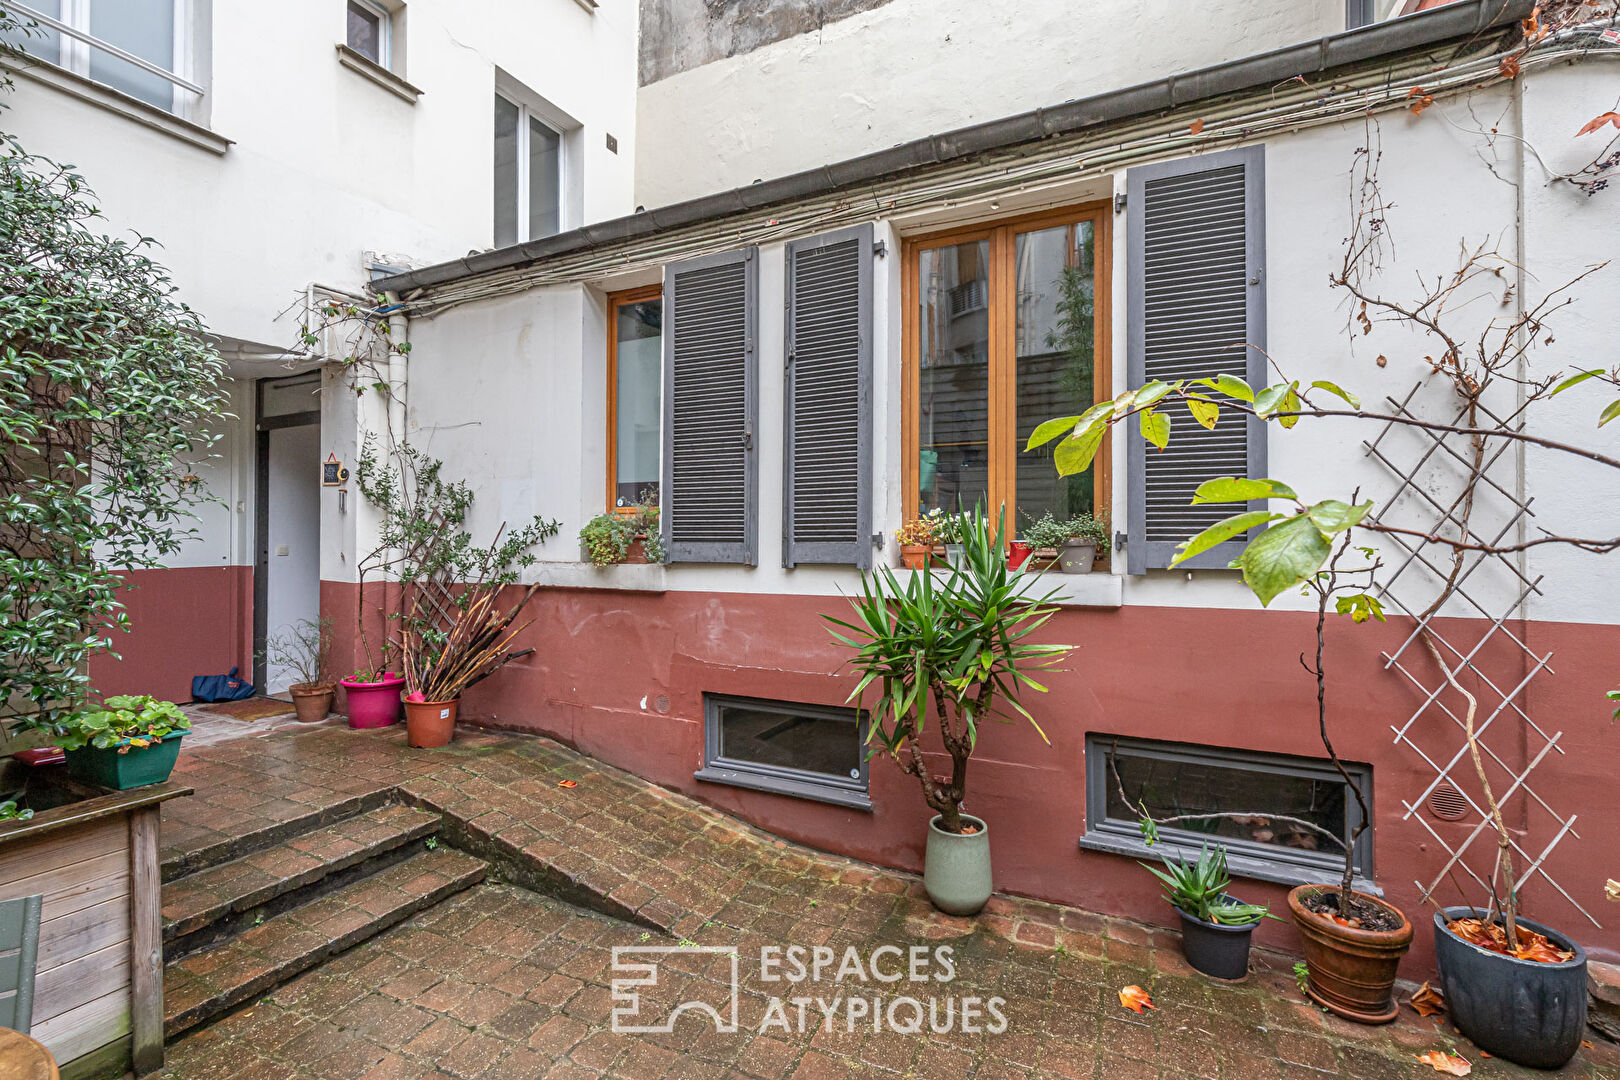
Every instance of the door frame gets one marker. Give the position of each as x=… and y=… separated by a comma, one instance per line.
x=262, y=427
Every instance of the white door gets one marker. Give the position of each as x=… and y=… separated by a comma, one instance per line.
x=293, y=569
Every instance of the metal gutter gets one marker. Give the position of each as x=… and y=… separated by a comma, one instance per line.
x=1458, y=20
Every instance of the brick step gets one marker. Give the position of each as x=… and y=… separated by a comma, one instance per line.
x=206, y=984
x=209, y=905
x=176, y=865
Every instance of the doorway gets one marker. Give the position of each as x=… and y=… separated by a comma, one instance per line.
x=287, y=520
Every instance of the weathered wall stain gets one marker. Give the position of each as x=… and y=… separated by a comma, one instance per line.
x=680, y=34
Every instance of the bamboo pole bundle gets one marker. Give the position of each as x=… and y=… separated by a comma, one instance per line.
x=473, y=648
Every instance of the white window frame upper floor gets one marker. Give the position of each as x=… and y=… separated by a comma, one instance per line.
x=387, y=68
x=385, y=31
x=185, y=114
x=570, y=159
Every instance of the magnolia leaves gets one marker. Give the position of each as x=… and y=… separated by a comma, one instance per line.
x=1203, y=399
x=1610, y=411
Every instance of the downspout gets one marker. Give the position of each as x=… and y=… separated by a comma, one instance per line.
x=1522, y=376
x=399, y=339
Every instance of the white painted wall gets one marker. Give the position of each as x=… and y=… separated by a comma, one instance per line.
x=913, y=68
x=502, y=392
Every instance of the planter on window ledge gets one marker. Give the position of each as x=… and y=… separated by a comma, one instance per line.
x=1018, y=553
x=915, y=556
x=1077, y=557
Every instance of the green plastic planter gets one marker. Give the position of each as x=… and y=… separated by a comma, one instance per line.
x=143, y=765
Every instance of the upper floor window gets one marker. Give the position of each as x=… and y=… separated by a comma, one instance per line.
x=138, y=47
x=370, y=31
x=1005, y=329
x=528, y=174
x=635, y=395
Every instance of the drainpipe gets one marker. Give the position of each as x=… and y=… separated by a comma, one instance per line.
x=399, y=333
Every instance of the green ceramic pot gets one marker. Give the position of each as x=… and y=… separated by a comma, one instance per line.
x=956, y=868
x=141, y=766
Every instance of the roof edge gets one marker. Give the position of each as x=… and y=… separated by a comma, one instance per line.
x=1458, y=19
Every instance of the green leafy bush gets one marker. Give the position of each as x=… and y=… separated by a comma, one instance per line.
x=125, y=721
x=607, y=537
x=1047, y=532
x=107, y=389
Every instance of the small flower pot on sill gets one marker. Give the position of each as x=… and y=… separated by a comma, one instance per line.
x=915, y=556
x=125, y=766
x=312, y=701
x=956, y=867
x=374, y=704
x=637, y=553
x=954, y=554
x=1217, y=950
x=1077, y=557
x=1530, y=1013
x=1017, y=553
x=430, y=724
x=1352, y=970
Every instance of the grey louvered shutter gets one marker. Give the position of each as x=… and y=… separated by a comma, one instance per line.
x=827, y=425
x=711, y=387
x=1196, y=254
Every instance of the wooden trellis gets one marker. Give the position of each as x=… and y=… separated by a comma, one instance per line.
x=1492, y=590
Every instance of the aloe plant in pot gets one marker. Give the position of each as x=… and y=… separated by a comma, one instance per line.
x=1216, y=927
x=961, y=650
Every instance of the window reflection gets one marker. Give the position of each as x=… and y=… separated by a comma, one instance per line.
x=954, y=357
x=638, y=394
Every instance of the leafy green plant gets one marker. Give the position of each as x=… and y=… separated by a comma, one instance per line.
x=9, y=811
x=960, y=648
x=125, y=721
x=1198, y=887
x=108, y=388
x=608, y=537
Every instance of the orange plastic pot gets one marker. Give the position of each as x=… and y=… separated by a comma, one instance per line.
x=430, y=723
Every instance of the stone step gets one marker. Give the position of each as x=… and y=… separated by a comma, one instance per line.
x=222, y=849
x=199, y=987
x=206, y=906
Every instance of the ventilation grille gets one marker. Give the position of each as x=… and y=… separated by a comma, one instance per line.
x=1447, y=803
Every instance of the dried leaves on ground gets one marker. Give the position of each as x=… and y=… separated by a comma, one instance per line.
x=1136, y=999
x=1427, y=1001
x=1449, y=1064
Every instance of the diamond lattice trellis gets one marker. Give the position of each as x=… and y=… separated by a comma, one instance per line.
x=1491, y=592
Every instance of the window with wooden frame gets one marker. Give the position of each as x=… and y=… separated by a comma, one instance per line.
x=634, y=396
x=1006, y=327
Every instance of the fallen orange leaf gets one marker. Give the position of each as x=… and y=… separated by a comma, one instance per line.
x=1509, y=67
x=1598, y=121
x=568, y=783
x=1196, y=126
x=1446, y=1063
x=1136, y=999
x=1427, y=1001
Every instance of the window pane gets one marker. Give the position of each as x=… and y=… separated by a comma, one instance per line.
x=1170, y=788
x=144, y=28
x=638, y=394
x=953, y=401
x=506, y=176
x=40, y=41
x=545, y=180
x=1055, y=339
x=817, y=744
x=365, y=31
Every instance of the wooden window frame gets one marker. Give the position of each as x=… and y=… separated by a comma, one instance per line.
x=614, y=302
x=1003, y=405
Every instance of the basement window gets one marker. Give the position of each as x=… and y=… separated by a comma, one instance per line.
x=1184, y=780
x=809, y=751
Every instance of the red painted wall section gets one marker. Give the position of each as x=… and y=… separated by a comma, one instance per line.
x=184, y=621
x=622, y=675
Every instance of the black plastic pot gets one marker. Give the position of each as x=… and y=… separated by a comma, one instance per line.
x=1529, y=1013
x=1216, y=950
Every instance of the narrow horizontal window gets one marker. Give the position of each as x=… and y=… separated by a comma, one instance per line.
x=1239, y=798
x=811, y=751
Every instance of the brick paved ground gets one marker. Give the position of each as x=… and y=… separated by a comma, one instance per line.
x=503, y=982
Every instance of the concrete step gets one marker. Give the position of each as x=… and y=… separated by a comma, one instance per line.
x=223, y=849
x=211, y=904
x=206, y=984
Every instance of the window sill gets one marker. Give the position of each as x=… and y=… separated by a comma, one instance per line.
x=121, y=104
x=1098, y=589
x=796, y=789
x=1241, y=866
x=624, y=577
x=375, y=72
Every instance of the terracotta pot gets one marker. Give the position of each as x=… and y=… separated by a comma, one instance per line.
x=637, y=553
x=1352, y=971
x=430, y=723
x=312, y=700
x=1017, y=553
x=915, y=556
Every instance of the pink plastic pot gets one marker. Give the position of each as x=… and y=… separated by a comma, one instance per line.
x=374, y=704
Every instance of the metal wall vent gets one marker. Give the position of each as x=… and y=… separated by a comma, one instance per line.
x=1447, y=803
